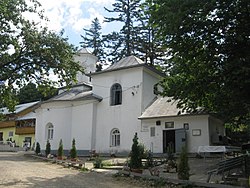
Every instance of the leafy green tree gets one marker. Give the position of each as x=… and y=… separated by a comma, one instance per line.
x=31, y=93
x=48, y=148
x=123, y=43
x=135, y=154
x=30, y=52
x=73, y=152
x=93, y=40
x=209, y=45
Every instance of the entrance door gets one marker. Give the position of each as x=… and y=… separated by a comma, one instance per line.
x=1, y=136
x=180, y=139
x=177, y=137
x=168, y=137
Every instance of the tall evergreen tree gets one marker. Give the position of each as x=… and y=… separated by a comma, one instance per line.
x=123, y=43
x=93, y=39
x=150, y=48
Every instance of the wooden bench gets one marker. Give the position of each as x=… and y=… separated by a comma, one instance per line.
x=227, y=165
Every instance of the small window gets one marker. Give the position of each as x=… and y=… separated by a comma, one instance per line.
x=169, y=125
x=186, y=126
x=152, y=131
x=50, y=131
x=11, y=133
x=158, y=123
x=115, y=138
x=116, y=95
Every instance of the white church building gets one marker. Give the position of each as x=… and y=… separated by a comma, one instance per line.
x=104, y=110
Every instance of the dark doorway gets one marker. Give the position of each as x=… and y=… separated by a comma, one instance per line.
x=168, y=137
x=1, y=136
x=177, y=137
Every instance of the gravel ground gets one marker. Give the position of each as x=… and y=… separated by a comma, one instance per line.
x=20, y=170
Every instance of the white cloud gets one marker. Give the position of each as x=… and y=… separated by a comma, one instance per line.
x=75, y=14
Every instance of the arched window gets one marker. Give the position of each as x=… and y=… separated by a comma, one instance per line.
x=115, y=138
x=116, y=94
x=49, y=131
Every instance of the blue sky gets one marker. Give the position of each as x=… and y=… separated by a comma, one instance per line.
x=74, y=15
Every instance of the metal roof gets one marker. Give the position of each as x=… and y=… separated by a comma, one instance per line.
x=75, y=94
x=128, y=62
x=19, y=108
x=161, y=107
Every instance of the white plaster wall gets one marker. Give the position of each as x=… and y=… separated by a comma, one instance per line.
x=82, y=125
x=193, y=142
x=60, y=116
x=149, y=80
x=88, y=61
x=124, y=116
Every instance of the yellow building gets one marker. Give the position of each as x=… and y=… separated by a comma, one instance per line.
x=19, y=126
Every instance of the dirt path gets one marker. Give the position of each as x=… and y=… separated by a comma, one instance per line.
x=19, y=170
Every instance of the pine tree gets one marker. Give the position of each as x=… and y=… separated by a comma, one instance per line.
x=48, y=148
x=93, y=39
x=73, y=153
x=135, y=155
x=122, y=44
x=38, y=148
x=60, y=149
x=150, y=48
x=183, y=167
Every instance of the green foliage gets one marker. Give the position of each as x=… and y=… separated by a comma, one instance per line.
x=48, y=148
x=209, y=48
x=93, y=40
x=60, y=149
x=123, y=43
x=38, y=148
x=150, y=160
x=183, y=166
x=73, y=152
x=29, y=52
x=136, y=154
x=31, y=93
x=98, y=162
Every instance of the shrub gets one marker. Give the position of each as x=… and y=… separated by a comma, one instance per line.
x=38, y=148
x=98, y=162
x=183, y=167
x=60, y=149
x=135, y=154
x=73, y=153
x=48, y=148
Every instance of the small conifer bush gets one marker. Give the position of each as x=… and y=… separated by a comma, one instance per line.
x=48, y=148
x=38, y=148
x=135, y=154
x=73, y=153
x=60, y=149
x=183, y=167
